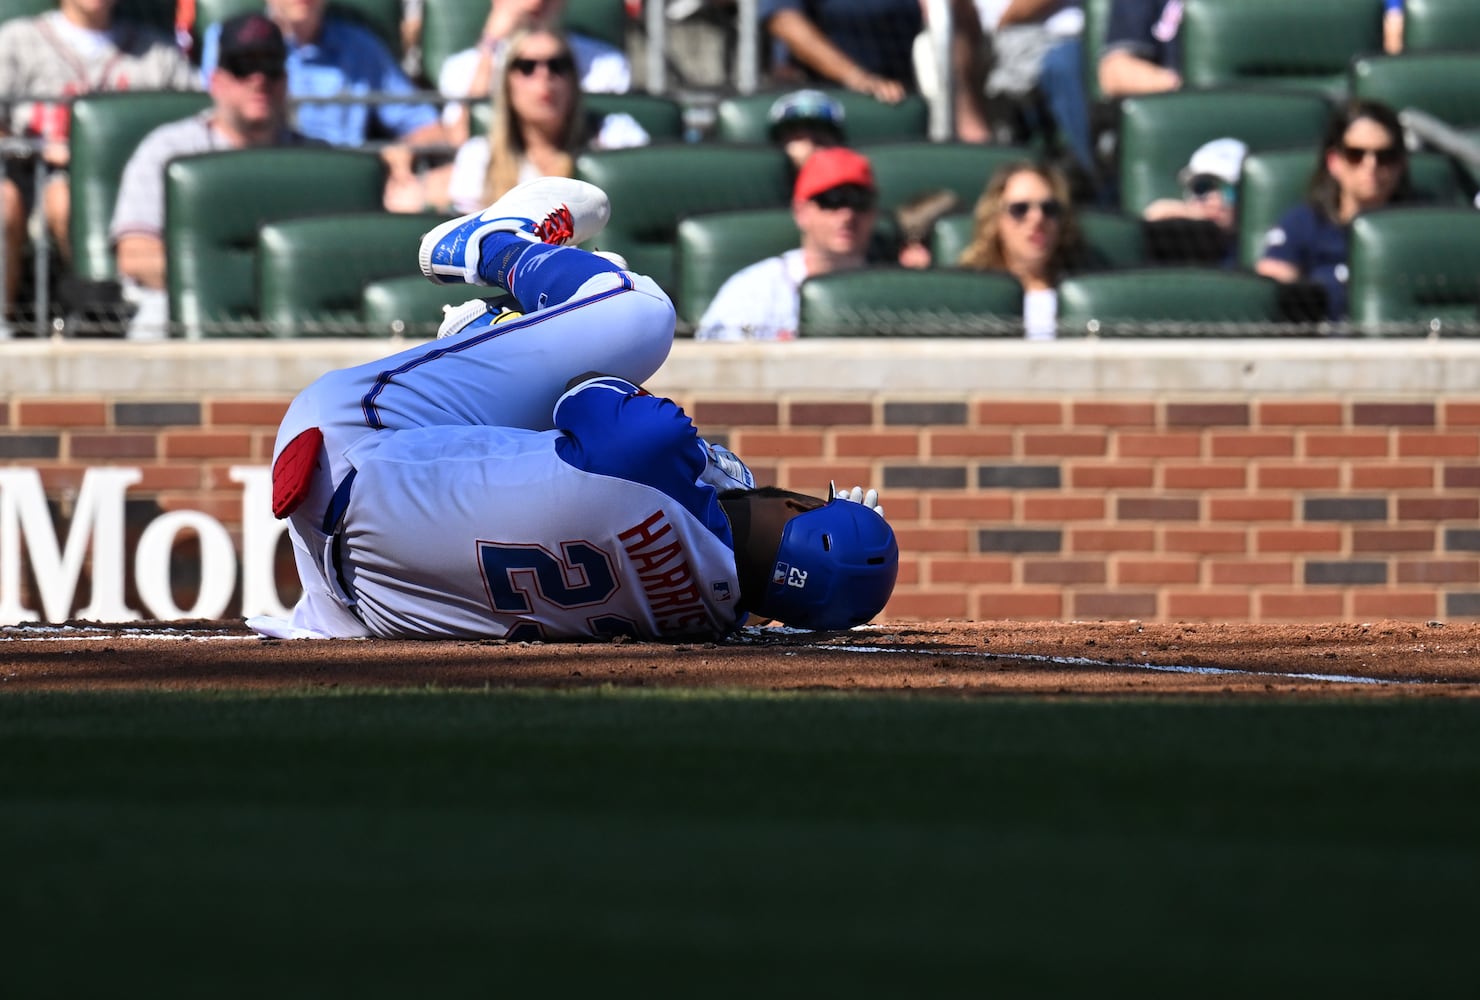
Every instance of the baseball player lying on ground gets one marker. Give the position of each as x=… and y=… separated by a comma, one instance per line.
x=511, y=479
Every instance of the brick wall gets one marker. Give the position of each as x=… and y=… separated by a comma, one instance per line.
x=1147, y=496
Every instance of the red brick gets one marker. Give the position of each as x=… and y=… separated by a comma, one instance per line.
x=1204, y=540
x=1063, y=571
x=978, y=570
x=1224, y=444
x=805, y=477
x=1297, y=477
x=919, y=540
x=1366, y=476
x=1088, y=476
x=173, y=477
x=1438, y=508
x=1207, y=414
x=1301, y=414
x=1204, y=477
x=826, y=414
x=1110, y=540
x=1171, y=445
x=1157, y=508
x=1461, y=414
x=4, y=413
x=1019, y=413
x=116, y=447
x=909, y=572
x=1251, y=509
x=226, y=509
x=1207, y=607
x=1461, y=477
x=875, y=444
x=59, y=478
x=926, y=607
x=205, y=444
x=252, y=413
x=1299, y=604
x=720, y=413
x=262, y=445
x=1417, y=444
x=1438, y=571
x=1392, y=539
x=1113, y=414
x=1058, y=509
x=1037, y=443
x=1354, y=445
x=1250, y=573
x=943, y=444
x=1018, y=605
x=969, y=508
x=1420, y=605
x=1141, y=571
x=1116, y=606
x=60, y=413
x=1298, y=540
x=779, y=444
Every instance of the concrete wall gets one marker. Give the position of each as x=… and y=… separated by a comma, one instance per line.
x=1192, y=479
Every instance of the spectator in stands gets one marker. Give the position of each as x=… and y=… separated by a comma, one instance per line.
x=1209, y=193
x=1142, y=53
x=869, y=48
x=805, y=121
x=915, y=220
x=79, y=48
x=538, y=125
x=1363, y=165
x=600, y=68
x=1025, y=226
x=332, y=57
x=833, y=203
x=249, y=107
x=1393, y=19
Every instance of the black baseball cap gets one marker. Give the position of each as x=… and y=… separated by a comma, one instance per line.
x=252, y=43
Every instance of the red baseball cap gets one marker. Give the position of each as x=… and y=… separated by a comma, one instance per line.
x=830, y=168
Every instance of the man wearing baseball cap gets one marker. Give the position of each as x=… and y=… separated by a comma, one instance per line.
x=805, y=121
x=249, y=107
x=834, y=203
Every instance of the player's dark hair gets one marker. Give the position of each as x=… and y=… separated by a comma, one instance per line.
x=754, y=554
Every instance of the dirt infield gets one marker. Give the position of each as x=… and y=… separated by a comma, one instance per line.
x=1118, y=659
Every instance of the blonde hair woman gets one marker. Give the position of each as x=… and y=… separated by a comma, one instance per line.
x=1025, y=226
x=537, y=126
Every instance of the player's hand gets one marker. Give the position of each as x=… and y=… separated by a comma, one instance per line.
x=725, y=471
x=869, y=498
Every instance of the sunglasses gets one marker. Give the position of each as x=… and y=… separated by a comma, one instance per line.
x=860, y=199
x=1201, y=187
x=242, y=68
x=557, y=66
x=1387, y=156
x=1019, y=210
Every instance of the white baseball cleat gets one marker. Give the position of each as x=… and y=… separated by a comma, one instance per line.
x=556, y=210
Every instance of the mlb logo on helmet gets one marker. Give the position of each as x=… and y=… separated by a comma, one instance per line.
x=778, y=575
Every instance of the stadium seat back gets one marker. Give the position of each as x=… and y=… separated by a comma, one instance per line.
x=653, y=187
x=216, y=204
x=1159, y=132
x=744, y=118
x=312, y=272
x=1152, y=302
x=604, y=20
x=1305, y=44
x=1111, y=240
x=409, y=306
x=106, y=129
x=1443, y=84
x=1440, y=24
x=1092, y=44
x=1415, y=265
x=903, y=170
x=899, y=302
x=712, y=247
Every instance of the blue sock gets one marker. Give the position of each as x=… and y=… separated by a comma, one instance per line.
x=537, y=274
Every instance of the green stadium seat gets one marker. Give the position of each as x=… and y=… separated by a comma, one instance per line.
x=106, y=128
x=312, y=272
x=1443, y=84
x=653, y=187
x=1111, y=240
x=1159, y=132
x=408, y=306
x=899, y=302
x=381, y=16
x=1092, y=44
x=1304, y=44
x=660, y=116
x=743, y=118
x=216, y=204
x=1274, y=182
x=601, y=19
x=903, y=170
x=1415, y=265
x=1159, y=302
x=1441, y=24
x=714, y=246
x=449, y=26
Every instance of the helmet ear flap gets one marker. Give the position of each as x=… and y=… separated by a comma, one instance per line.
x=835, y=568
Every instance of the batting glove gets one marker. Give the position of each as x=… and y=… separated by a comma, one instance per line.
x=725, y=471
x=869, y=498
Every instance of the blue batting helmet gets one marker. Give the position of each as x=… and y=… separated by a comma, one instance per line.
x=835, y=568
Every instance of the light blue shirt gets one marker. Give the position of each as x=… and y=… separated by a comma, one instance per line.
x=347, y=59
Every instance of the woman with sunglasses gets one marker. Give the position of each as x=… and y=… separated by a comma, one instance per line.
x=537, y=125
x=1363, y=165
x=1025, y=226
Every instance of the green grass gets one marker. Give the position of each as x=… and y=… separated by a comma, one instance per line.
x=454, y=844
